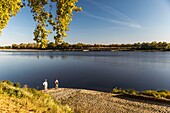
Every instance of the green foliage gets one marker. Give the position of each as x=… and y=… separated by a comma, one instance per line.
x=131, y=91
x=64, y=11
x=158, y=46
x=32, y=90
x=8, y=8
x=51, y=45
x=8, y=82
x=153, y=46
x=30, y=99
x=158, y=94
x=26, y=46
x=128, y=91
x=12, y=92
x=44, y=18
x=17, y=84
x=153, y=93
x=117, y=91
x=41, y=10
x=5, y=47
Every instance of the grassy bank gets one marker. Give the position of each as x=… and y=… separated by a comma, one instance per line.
x=26, y=100
x=153, y=93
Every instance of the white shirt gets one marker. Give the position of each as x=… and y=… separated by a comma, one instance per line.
x=45, y=84
x=56, y=81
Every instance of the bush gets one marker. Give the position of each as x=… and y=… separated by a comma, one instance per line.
x=153, y=93
x=8, y=82
x=121, y=91
x=33, y=91
x=117, y=91
x=13, y=92
x=17, y=84
x=131, y=91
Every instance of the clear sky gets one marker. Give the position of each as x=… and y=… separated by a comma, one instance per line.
x=103, y=21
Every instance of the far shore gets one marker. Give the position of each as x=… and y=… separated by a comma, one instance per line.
x=26, y=50
x=75, y=50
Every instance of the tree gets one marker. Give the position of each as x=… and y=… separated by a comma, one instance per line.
x=23, y=46
x=153, y=45
x=137, y=45
x=64, y=45
x=51, y=45
x=15, y=46
x=79, y=46
x=8, y=8
x=145, y=46
x=168, y=46
x=42, y=14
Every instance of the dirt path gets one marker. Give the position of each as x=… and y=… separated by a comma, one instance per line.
x=87, y=101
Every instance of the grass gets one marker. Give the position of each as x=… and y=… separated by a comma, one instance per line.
x=157, y=94
x=153, y=93
x=26, y=100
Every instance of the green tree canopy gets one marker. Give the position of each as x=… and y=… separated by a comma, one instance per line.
x=42, y=14
x=8, y=8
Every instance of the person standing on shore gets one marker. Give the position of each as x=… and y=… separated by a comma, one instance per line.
x=45, y=83
x=56, y=84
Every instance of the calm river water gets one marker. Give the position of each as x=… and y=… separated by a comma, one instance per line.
x=89, y=70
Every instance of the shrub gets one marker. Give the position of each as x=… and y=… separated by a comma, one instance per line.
x=153, y=93
x=8, y=82
x=127, y=91
x=13, y=92
x=131, y=91
x=117, y=91
x=17, y=84
x=33, y=99
x=33, y=91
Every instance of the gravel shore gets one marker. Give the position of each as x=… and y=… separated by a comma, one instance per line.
x=88, y=101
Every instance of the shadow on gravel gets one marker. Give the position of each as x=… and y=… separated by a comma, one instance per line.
x=144, y=99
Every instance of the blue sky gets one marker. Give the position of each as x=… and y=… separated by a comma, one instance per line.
x=104, y=22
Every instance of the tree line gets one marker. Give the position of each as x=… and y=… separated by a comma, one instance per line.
x=160, y=46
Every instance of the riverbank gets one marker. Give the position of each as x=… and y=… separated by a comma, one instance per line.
x=26, y=50
x=76, y=50
x=88, y=101
x=66, y=100
x=14, y=99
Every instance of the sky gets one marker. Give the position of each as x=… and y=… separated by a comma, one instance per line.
x=102, y=22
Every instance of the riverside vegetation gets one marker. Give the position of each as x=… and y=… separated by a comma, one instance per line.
x=27, y=100
x=64, y=46
x=153, y=93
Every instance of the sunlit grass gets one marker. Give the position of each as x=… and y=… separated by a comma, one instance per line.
x=157, y=94
x=25, y=100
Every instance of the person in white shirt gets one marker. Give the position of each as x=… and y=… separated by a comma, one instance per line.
x=56, y=84
x=45, y=83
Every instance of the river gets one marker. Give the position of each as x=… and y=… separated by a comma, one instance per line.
x=88, y=70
